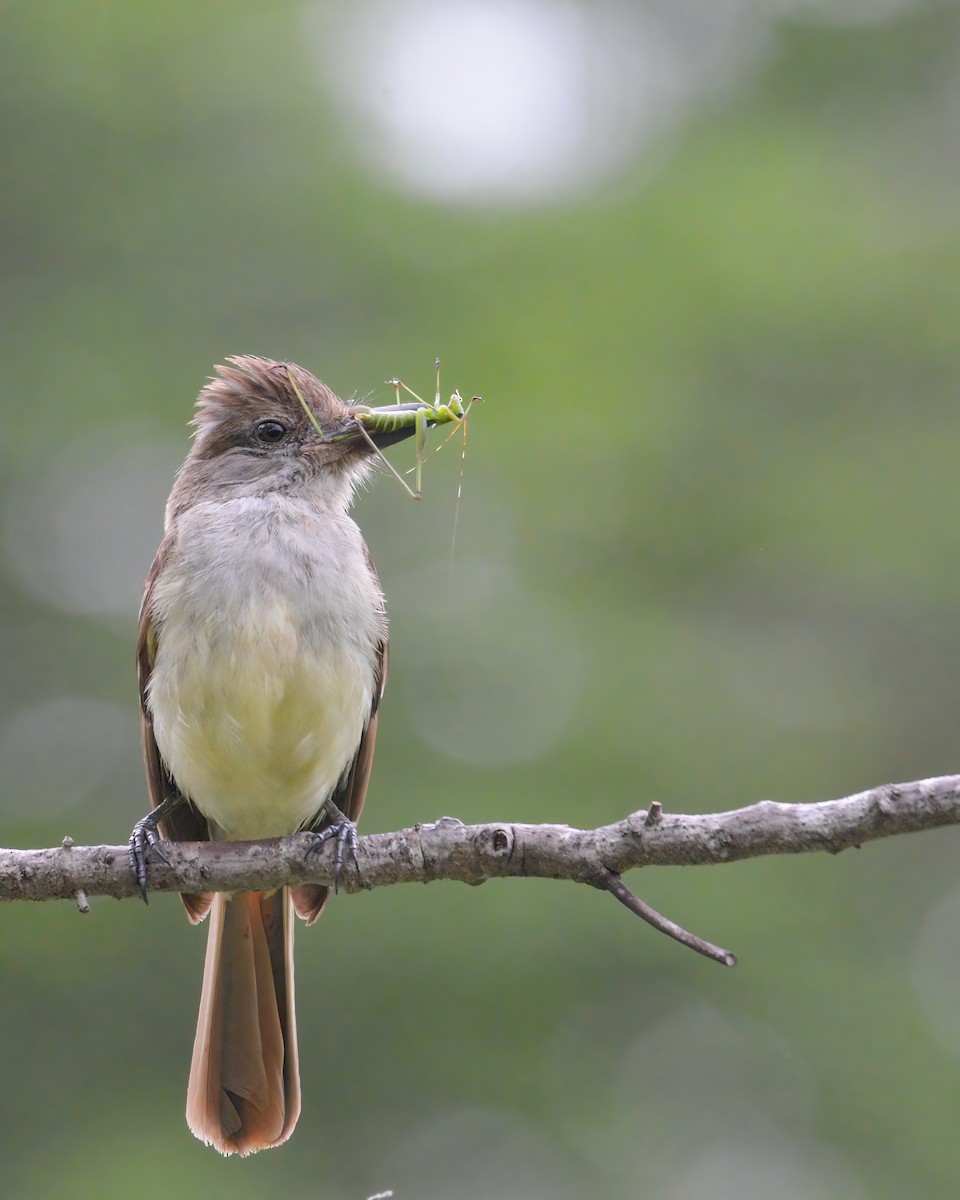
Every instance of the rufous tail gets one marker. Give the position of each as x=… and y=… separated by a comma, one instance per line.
x=244, y=1090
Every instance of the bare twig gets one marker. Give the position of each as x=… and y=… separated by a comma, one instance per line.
x=618, y=888
x=473, y=853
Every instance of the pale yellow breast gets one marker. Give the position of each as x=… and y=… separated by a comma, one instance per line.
x=258, y=722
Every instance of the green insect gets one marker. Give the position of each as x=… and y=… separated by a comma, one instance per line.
x=418, y=414
x=422, y=416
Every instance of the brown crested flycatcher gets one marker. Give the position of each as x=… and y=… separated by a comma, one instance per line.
x=262, y=653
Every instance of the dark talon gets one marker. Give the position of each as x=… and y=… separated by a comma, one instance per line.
x=344, y=831
x=146, y=837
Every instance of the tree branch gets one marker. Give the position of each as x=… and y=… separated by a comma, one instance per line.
x=472, y=854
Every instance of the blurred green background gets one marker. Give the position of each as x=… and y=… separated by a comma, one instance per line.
x=701, y=259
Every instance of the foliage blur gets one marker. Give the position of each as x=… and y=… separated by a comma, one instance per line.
x=701, y=262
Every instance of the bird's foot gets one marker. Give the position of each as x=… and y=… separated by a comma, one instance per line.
x=344, y=832
x=146, y=837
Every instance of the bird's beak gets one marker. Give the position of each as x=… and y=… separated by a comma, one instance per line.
x=382, y=438
x=396, y=423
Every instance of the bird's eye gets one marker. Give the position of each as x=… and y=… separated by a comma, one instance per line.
x=269, y=431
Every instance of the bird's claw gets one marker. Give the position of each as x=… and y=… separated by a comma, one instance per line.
x=145, y=837
x=344, y=832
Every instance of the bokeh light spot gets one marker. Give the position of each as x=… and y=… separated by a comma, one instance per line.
x=521, y=101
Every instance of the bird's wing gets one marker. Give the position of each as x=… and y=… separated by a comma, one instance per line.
x=185, y=823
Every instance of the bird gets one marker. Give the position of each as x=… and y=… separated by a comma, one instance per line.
x=262, y=659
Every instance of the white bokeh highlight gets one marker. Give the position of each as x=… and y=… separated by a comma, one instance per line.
x=517, y=102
